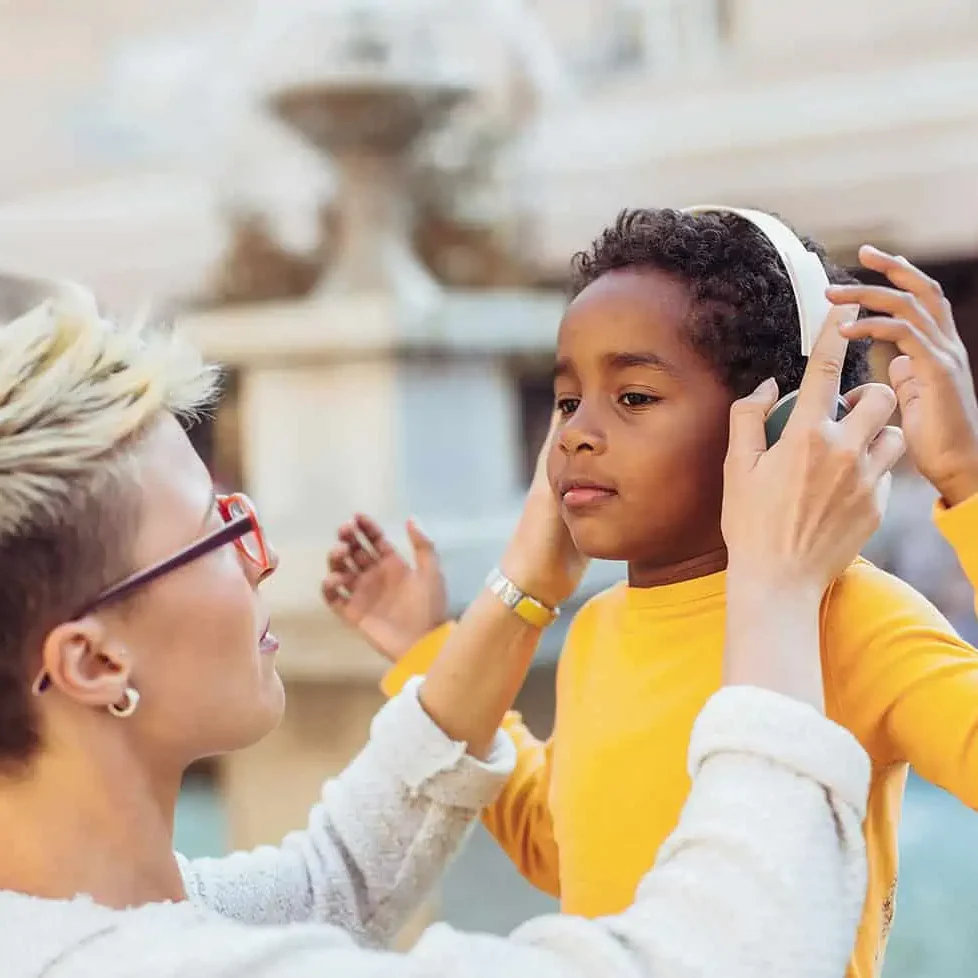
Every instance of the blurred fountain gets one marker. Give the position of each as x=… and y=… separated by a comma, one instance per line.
x=365, y=83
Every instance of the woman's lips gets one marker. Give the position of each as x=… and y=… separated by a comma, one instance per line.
x=268, y=643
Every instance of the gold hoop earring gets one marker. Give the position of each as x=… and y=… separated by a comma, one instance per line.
x=128, y=707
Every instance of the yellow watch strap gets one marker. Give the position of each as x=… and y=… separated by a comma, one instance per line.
x=533, y=612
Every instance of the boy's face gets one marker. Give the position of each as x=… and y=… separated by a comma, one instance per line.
x=638, y=463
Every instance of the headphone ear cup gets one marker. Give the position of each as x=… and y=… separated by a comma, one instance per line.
x=777, y=417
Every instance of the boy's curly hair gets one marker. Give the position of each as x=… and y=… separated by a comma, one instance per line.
x=744, y=319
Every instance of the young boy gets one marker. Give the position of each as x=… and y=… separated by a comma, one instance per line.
x=673, y=316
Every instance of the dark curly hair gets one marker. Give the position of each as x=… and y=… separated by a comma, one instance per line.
x=744, y=320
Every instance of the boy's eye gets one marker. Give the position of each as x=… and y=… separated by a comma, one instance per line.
x=637, y=399
x=567, y=405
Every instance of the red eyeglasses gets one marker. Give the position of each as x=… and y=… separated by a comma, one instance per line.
x=241, y=527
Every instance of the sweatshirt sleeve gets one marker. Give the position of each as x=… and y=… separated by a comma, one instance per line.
x=378, y=840
x=894, y=664
x=519, y=818
x=959, y=526
x=764, y=875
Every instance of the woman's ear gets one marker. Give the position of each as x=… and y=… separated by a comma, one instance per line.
x=85, y=664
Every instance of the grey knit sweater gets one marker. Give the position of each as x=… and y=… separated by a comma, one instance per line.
x=764, y=875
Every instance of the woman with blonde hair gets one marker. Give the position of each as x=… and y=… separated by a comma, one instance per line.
x=135, y=641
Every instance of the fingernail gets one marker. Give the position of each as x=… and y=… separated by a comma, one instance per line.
x=766, y=387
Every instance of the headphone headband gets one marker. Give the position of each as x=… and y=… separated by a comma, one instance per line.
x=805, y=270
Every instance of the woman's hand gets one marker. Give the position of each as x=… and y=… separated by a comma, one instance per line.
x=797, y=514
x=541, y=558
x=393, y=604
x=372, y=588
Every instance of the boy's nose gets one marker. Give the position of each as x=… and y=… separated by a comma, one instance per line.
x=576, y=438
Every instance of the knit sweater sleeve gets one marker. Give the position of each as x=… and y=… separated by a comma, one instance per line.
x=765, y=875
x=377, y=841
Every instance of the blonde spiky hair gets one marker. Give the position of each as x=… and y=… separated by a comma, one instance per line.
x=76, y=393
x=75, y=388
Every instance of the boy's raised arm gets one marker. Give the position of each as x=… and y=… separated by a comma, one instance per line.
x=912, y=681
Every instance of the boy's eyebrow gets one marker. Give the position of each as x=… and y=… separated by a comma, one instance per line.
x=622, y=361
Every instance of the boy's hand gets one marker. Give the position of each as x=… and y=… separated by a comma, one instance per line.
x=371, y=587
x=931, y=376
x=541, y=558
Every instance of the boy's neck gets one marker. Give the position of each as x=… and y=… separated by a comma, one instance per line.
x=650, y=574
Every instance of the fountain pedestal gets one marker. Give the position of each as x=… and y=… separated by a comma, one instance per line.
x=370, y=126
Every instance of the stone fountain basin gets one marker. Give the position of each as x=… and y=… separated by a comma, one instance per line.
x=384, y=113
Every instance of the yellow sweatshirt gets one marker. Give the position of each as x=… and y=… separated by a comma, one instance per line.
x=584, y=813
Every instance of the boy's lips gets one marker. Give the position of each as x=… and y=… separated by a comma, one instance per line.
x=584, y=493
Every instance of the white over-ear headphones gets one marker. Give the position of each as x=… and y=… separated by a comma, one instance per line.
x=808, y=282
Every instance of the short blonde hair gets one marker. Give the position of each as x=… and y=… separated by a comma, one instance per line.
x=74, y=388
x=76, y=392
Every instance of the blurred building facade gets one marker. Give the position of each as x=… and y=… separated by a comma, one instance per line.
x=145, y=158
x=855, y=120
